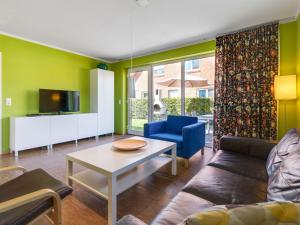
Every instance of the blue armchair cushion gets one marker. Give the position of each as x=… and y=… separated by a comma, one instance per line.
x=169, y=137
x=176, y=123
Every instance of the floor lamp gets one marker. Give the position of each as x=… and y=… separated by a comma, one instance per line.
x=285, y=89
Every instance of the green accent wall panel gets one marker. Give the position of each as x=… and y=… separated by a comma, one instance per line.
x=287, y=110
x=298, y=70
x=26, y=67
x=120, y=69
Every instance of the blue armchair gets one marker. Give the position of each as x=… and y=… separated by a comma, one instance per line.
x=186, y=131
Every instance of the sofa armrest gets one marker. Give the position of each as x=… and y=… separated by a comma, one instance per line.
x=130, y=220
x=193, y=137
x=154, y=128
x=41, y=194
x=250, y=146
x=12, y=168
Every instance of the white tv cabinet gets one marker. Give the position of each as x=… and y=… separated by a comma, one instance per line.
x=39, y=131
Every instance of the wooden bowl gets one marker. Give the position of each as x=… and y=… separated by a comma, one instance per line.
x=129, y=144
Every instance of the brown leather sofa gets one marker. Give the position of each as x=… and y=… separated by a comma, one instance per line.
x=237, y=174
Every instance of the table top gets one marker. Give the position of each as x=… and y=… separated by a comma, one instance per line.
x=105, y=159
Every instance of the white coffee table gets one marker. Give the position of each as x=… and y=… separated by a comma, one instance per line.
x=110, y=172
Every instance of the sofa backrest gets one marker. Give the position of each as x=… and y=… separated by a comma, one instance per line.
x=176, y=123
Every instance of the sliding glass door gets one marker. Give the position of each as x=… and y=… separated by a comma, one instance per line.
x=138, y=99
x=182, y=87
x=199, y=76
x=166, y=91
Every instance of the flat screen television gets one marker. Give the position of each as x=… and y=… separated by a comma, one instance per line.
x=56, y=101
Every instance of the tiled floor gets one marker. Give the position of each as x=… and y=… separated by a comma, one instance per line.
x=143, y=200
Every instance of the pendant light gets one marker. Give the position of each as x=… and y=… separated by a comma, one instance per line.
x=140, y=3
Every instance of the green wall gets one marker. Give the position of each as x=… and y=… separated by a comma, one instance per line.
x=287, y=110
x=290, y=65
x=298, y=70
x=26, y=67
x=121, y=68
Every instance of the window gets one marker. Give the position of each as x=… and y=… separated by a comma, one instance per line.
x=167, y=85
x=211, y=93
x=173, y=93
x=144, y=94
x=192, y=64
x=173, y=83
x=159, y=70
x=206, y=93
x=202, y=93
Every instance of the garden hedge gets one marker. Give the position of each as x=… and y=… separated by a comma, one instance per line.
x=193, y=106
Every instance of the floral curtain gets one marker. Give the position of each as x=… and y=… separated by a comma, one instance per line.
x=246, y=63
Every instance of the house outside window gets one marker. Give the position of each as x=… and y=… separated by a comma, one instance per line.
x=144, y=94
x=159, y=70
x=173, y=93
x=206, y=93
x=211, y=93
x=202, y=93
x=159, y=93
x=192, y=64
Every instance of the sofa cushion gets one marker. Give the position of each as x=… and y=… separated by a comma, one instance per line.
x=168, y=137
x=275, y=213
x=29, y=182
x=254, y=147
x=182, y=205
x=176, y=123
x=223, y=187
x=288, y=144
x=284, y=183
x=130, y=220
x=241, y=164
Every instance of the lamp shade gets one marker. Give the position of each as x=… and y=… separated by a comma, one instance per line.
x=285, y=87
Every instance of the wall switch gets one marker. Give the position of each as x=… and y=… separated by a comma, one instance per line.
x=8, y=101
x=120, y=101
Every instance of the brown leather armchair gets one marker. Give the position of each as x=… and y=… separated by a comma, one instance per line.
x=31, y=195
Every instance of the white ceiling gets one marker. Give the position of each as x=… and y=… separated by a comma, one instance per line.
x=103, y=28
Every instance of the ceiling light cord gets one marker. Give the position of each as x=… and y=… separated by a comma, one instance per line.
x=141, y=3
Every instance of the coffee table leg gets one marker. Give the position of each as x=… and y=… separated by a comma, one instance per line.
x=69, y=172
x=112, y=200
x=174, y=159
